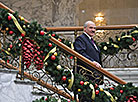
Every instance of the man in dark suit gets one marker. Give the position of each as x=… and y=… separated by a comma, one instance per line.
x=85, y=45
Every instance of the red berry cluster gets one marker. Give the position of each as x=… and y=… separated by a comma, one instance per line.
x=132, y=98
x=31, y=54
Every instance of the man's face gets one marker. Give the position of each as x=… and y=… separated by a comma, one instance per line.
x=90, y=29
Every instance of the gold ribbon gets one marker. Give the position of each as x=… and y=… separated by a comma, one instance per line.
x=72, y=47
x=93, y=91
x=52, y=51
x=127, y=36
x=7, y=52
x=111, y=97
x=17, y=24
x=72, y=78
x=135, y=31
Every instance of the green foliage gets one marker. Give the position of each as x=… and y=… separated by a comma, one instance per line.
x=123, y=42
x=39, y=39
x=51, y=99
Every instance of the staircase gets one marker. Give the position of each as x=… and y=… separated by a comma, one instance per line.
x=126, y=74
x=15, y=90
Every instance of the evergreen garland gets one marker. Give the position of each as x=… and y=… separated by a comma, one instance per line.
x=35, y=44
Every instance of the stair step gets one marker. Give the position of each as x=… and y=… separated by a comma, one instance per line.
x=41, y=93
x=125, y=74
x=121, y=69
x=26, y=82
x=9, y=71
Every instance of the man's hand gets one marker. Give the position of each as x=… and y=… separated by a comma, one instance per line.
x=97, y=64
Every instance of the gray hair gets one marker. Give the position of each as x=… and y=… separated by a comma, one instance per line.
x=88, y=22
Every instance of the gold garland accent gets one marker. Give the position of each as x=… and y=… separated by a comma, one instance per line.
x=72, y=78
x=72, y=47
x=17, y=24
x=136, y=31
x=111, y=97
x=127, y=36
x=51, y=51
x=93, y=91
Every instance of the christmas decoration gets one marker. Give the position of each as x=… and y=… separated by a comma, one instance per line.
x=9, y=18
x=81, y=82
x=64, y=78
x=31, y=41
x=53, y=57
x=52, y=99
x=123, y=42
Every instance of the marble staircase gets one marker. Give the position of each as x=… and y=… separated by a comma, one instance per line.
x=127, y=74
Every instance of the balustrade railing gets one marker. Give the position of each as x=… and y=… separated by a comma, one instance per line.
x=44, y=79
x=125, y=58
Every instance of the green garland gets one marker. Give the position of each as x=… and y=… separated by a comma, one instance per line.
x=39, y=46
x=123, y=42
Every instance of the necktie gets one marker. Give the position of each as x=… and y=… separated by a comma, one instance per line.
x=94, y=44
x=92, y=41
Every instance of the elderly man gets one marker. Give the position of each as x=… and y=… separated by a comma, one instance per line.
x=85, y=45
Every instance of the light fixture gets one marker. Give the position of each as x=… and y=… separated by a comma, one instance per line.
x=99, y=19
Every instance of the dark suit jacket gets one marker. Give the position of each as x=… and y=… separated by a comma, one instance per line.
x=85, y=47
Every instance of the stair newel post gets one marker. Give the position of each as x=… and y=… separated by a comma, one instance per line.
x=21, y=65
x=75, y=66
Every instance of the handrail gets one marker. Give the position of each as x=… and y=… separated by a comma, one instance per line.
x=87, y=61
x=80, y=28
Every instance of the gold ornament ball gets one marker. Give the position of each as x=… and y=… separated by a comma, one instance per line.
x=22, y=18
x=85, y=83
x=69, y=80
x=24, y=26
x=7, y=28
x=79, y=90
x=118, y=39
x=55, y=53
x=105, y=48
x=101, y=89
x=28, y=26
x=59, y=67
x=107, y=42
x=9, y=49
x=46, y=64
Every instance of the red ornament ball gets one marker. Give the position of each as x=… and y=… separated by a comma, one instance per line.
x=20, y=39
x=42, y=32
x=59, y=40
x=53, y=35
x=9, y=18
x=81, y=82
x=121, y=91
x=71, y=57
x=97, y=92
x=111, y=88
x=11, y=46
x=46, y=99
x=50, y=45
x=7, y=61
x=22, y=34
x=10, y=32
x=133, y=39
x=64, y=78
x=53, y=57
